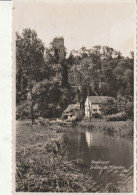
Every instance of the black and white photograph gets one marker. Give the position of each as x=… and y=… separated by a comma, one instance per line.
x=74, y=99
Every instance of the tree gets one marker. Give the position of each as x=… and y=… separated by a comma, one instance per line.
x=53, y=57
x=46, y=94
x=30, y=58
x=109, y=107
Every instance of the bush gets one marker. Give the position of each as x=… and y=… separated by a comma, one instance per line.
x=96, y=115
x=23, y=111
x=109, y=107
x=41, y=121
x=130, y=110
x=121, y=116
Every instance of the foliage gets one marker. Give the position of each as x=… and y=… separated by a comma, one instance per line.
x=29, y=57
x=52, y=84
x=96, y=115
x=129, y=108
x=121, y=116
x=109, y=107
x=23, y=111
x=123, y=129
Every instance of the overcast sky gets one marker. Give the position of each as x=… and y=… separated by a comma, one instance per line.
x=81, y=24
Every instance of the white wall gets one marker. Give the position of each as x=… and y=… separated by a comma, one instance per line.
x=95, y=107
x=92, y=107
x=87, y=106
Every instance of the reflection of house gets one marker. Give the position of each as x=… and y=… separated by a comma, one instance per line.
x=88, y=136
x=71, y=112
x=93, y=105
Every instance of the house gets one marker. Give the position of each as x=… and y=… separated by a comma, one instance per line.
x=93, y=105
x=71, y=112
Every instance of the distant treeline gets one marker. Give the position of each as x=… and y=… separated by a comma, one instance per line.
x=46, y=85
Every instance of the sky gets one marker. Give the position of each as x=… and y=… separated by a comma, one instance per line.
x=80, y=23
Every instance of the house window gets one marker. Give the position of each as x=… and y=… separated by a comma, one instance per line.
x=94, y=110
x=99, y=109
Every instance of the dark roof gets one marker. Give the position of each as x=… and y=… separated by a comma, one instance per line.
x=71, y=107
x=98, y=99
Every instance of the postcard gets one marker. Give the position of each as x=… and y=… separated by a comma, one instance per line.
x=73, y=97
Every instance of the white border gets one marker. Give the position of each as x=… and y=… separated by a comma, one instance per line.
x=5, y=96
x=13, y=105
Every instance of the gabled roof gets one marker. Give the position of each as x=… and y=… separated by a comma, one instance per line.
x=98, y=99
x=71, y=107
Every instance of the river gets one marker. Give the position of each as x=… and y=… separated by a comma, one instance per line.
x=92, y=146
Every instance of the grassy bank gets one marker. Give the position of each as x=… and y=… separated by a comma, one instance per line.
x=43, y=165
x=122, y=129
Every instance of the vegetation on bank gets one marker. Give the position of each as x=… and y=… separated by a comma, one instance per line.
x=43, y=165
x=122, y=129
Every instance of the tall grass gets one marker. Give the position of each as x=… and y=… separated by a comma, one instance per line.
x=43, y=165
x=123, y=129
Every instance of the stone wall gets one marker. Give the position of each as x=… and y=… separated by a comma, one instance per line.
x=58, y=43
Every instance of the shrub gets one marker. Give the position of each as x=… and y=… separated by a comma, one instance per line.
x=41, y=121
x=109, y=107
x=121, y=116
x=23, y=111
x=96, y=115
x=129, y=110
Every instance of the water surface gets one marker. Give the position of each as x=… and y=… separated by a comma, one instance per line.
x=88, y=145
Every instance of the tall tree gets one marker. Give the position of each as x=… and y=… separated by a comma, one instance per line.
x=30, y=57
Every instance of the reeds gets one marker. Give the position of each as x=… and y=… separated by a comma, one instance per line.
x=123, y=129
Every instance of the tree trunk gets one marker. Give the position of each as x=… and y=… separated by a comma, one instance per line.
x=87, y=90
x=78, y=103
x=53, y=111
x=32, y=114
x=32, y=104
x=88, y=103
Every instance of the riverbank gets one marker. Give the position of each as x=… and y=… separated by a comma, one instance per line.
x=123, y=129
x=43, y=165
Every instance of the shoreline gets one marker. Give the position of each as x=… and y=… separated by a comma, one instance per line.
x=122, y=129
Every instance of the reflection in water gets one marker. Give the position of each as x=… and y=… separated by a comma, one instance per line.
x=90, y=146
x=88, y=135
x=79, y=138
